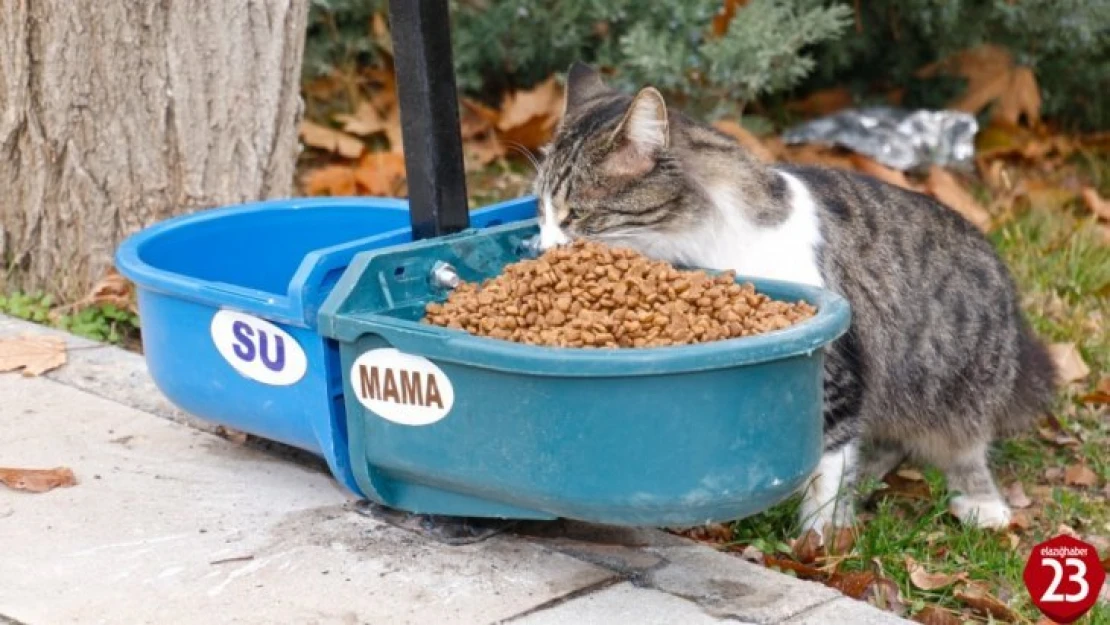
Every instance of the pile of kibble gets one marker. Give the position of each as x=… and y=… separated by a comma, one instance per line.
x=589, y=295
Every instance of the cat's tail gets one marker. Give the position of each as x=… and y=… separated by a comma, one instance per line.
x=1034, y=386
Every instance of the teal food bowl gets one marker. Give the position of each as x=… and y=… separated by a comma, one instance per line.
x=442, y=422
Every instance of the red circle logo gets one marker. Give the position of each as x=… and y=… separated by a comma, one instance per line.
x=1064, y=576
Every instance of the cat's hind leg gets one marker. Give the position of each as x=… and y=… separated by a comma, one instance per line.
x=827, y=498
x=877, y=458
x=976, y=499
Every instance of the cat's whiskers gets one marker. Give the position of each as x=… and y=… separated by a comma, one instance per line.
x=519, y=148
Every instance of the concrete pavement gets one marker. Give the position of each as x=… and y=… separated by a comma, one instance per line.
x=171, y=524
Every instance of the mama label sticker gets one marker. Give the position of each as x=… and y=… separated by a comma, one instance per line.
x=402, y=388
x=258, y=349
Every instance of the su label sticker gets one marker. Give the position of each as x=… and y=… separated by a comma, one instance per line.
x=402, y=388
x=258, y=349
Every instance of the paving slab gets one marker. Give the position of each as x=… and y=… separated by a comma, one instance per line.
x=173, y=525
x=624, y=603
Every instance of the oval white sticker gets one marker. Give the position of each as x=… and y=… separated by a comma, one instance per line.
x=400, y=387
x=258, y=349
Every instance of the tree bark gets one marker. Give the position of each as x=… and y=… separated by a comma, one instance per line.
x=115, y=114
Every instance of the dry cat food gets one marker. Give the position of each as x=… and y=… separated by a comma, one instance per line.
x=590, y=295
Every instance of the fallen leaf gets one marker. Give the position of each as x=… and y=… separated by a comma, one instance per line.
x=1080, y=475
x=932, y=615
x=712, y=533
x=1021, y=520
x=380, y=173
x=1069, y=362
x=1013, y=539
x=947, y=189
x=1054, y=474
x=808, y=548
x=924, y=580
x=981, y=600
x=822, y=102
x=528, y=117
x=332, y=140
x=1096, y=203
x=884, y=594
x=1058, y=437
x=746, y=139
x=481, y=152
x=879, y=171
x=334, y=180
x=841, y=541
x=903, y=488
x=803, y=571
x=34, y=354
x=37, y=480
x=910, y=474
x=724, y=16
x=365, y=121
x=111, y=290
x=1016, y=497
x=853, y=584
x=1101, y=394
x=992, y=76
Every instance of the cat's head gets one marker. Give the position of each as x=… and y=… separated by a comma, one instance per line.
x=611, y=172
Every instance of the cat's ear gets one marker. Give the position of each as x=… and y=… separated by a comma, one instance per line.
x=583, y=83
x=642, y=132
x=644, y=125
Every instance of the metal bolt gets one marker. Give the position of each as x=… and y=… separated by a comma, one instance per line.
x=444, y=275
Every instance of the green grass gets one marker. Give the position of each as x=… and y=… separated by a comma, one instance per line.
x=104, y=323
x=1062, y=267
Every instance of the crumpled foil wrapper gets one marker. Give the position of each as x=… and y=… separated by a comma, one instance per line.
x=898, y=138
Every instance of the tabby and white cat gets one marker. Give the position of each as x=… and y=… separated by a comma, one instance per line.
x=938, y=361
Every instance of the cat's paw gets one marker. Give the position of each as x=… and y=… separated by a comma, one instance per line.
x=987, y=512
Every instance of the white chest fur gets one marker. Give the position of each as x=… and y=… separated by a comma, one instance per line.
x=787, y=251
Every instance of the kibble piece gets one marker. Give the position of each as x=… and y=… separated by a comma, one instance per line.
x=589, y=295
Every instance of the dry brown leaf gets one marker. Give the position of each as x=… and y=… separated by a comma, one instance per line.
x=334, y=180
x=746, y=139
x=854, y=584
x=900, y=487
x=331, y=140
x=529, y=117
x=380, y=173
x=1064, y=529
x=1080, y=475
x=947, y=189
x=1013, y=539
x=932, y=615
x=924, y=580
x=724, y=16
x=1054, y=474
x=822, y=102
x=981, y=600
x=751, y=554
x=1016, y=497
x=37, y=480
x=481, y=152
x=1101, y=394
x=1069, y=362
x=235, y=436
x=910, y=474
x=884, y=594
x=1096, y=203
x=841, y=541
x=1058, y=437
x=393, y=131
x=34, y=354
x=365, y=121
x=991, y=76
x=476, y=119
x=877, y=170
x=111, y=290
x=808, y=548
x=1021, y=98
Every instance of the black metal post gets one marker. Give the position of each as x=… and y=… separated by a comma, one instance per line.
x=429, y=116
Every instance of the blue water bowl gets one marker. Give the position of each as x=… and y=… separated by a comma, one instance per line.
x=229, y=298
x=443, y=422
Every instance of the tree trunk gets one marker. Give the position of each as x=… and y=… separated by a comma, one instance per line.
x=115, y=114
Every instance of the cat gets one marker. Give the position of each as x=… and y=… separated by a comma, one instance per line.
x=938, y=361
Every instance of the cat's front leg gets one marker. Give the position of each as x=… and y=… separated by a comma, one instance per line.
x=827, y=499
